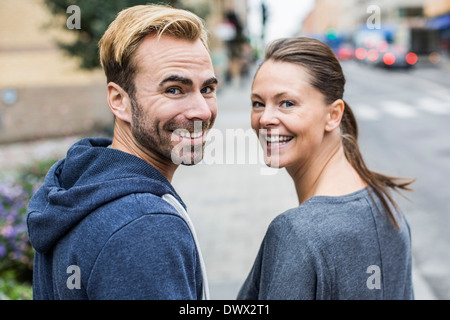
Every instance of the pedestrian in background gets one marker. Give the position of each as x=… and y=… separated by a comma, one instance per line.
x=347, y=239
x=107, y=223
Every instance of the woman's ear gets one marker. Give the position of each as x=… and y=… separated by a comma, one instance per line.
x=119, y=102
x=336, y=110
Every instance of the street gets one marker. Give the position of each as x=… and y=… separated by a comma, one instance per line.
x=403, y=120
x=404, y=131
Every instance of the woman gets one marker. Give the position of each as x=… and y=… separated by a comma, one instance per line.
x=347, y=239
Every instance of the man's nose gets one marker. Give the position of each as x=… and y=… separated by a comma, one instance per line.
x=199, y=109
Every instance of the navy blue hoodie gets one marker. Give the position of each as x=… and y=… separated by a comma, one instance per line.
x=102, y=230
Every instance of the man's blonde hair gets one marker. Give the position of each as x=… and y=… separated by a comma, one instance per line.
x=132, y=25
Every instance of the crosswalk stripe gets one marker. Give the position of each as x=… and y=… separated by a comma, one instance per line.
x=399, y=109
x=434, y=106
x=425, y=105
x=366, y=112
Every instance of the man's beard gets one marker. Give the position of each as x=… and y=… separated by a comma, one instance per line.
x=153, y=139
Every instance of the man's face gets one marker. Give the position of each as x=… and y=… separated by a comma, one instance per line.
x=175, y=99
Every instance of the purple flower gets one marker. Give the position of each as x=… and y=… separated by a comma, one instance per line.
x=14, y=244
x=8, y=232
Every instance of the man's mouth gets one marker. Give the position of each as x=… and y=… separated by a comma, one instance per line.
x=186, y=134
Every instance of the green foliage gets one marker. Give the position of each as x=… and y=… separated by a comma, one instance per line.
x=12, y=289
x=96, y=15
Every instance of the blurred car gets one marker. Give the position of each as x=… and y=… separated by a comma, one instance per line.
x=373, y=48
x=397, y=55
x=387, y=55
x=345, y=52
x=368, y=44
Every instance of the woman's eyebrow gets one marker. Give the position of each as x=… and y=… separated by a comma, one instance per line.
x=277, y=96
x=255, y=95
x=281, y=95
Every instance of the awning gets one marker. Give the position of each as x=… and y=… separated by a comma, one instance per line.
x=440, y=22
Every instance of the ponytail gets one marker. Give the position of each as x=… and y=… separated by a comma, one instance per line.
x=379, y=183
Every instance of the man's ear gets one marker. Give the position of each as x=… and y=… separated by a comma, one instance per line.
x=119, y=102
x=334, y=117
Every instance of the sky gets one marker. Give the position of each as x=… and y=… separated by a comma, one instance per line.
x=285, y=17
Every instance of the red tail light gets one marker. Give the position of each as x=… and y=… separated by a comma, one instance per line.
x=360, y=53
x=372, y=55
x=411, y=58
x=389, y=58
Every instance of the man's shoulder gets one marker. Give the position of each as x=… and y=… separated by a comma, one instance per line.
x=143, y=203
x=131, y=214
x=134, y=209
x=122, y=211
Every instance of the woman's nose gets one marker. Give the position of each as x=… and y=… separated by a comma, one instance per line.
x=269, y=117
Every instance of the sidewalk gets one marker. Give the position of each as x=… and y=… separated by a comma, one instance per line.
x=422, y=289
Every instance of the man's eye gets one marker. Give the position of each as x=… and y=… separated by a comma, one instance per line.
x=173, y=90
x=208, y=90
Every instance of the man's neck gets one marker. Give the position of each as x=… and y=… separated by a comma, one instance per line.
x=123, y=140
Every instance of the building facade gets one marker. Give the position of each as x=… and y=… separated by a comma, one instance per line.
x=403, y=19
x=438, y=15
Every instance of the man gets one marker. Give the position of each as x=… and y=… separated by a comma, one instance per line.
x=107, y=223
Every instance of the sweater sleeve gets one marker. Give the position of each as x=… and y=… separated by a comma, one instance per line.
x=151, y=258
x=285, y=267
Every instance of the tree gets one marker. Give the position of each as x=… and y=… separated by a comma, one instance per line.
x=95, y=17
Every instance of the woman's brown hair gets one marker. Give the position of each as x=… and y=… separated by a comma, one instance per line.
x=327, y=76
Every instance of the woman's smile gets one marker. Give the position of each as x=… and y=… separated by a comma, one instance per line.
x=276, y=141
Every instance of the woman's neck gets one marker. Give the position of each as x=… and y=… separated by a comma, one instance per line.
x=328, y=174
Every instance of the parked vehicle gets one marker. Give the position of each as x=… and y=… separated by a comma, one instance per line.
x=374, y=47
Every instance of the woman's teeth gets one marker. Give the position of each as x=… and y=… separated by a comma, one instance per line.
x=278, y=139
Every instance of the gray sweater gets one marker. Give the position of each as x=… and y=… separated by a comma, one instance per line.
x=333, y=248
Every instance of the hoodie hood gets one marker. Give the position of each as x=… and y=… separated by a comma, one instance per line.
x=90, y=176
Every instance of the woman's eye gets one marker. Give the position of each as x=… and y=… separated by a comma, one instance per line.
x=256, y=104
x=173, y=90
x=286, y=104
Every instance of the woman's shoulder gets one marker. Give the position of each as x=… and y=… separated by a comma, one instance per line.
x=298, y=222
x=318, y=205
x=327, y=213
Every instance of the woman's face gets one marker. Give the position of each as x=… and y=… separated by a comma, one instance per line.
x=288, y=114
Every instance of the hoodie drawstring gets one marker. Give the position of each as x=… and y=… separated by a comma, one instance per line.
x=183, y=213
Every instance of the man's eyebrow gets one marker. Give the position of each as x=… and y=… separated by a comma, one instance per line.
x=210, y=81
x=175, y=78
